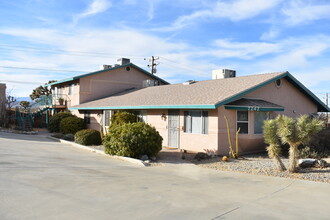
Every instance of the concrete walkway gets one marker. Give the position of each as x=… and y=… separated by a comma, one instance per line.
x=43, y=179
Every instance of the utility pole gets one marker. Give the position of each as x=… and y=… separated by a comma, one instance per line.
x=153, y=64
x=327, y=103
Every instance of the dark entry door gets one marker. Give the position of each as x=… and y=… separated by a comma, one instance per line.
x=173, y=128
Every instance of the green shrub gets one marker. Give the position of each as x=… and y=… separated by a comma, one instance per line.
x=88, y=137
x=55, y=120
x=120, y=118
x=133, y=140
x=71, y=125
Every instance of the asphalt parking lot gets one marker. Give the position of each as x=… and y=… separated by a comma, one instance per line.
x=44, y=179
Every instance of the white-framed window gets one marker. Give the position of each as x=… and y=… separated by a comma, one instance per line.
x=196, y=122
x=142, y=115
x=107, y=118
x=87, y=118
x=259, y=118
x=71, y=89
x=243, y=122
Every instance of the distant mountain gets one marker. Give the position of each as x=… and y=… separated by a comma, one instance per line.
x=19, y=99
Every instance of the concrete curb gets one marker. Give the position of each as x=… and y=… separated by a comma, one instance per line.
x=127, y=159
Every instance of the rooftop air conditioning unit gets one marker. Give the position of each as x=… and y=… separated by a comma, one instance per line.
x=123, y=61
x=105, y=67
x=149, y=83
x=223, y=73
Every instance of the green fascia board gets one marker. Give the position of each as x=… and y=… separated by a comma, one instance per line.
x=113, y=68
x=146, y=107
x=239, y=95
x=252, y=108
x=321, y=106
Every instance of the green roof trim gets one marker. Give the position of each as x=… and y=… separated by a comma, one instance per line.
x=253, y=108
x=101, y=71
x=146, y=107
x=321, y=106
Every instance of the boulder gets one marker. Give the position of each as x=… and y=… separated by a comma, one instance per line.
x=201, y=156
x=306, y=163
x=321, y=164
x=144, y=157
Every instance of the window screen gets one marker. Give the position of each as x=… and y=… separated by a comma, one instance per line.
x=196, y=122
x=259, y=118
x=243, y=122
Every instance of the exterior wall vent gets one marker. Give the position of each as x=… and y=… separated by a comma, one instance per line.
x=189, y=82
x=223, y=73
x=149, y=83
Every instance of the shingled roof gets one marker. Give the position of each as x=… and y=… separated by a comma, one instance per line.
x=209, y=94
x=101, y=71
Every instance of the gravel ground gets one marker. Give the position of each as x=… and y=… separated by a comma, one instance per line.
x=262, y=165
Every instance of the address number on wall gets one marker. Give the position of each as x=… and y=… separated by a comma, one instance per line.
x=250, y=108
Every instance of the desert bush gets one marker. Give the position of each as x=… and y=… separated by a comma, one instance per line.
x=71, y=125
x=120, y=118
x=133, y=140
x=88, y=137
x=55, y=120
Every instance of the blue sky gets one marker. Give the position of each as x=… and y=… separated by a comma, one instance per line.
x=191, y=38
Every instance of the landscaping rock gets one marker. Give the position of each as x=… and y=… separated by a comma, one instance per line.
x=306, y=163
x=153, y=158
x=202, y=156
x=144, y=157
x=321, y=164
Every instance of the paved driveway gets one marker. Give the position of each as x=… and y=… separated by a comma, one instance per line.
x=43, y=179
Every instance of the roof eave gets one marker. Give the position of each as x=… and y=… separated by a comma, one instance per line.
x=145, y=107
x=100, y=71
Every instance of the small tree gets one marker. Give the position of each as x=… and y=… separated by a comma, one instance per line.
x=274, y=148
x=295, y=132
x=24, y=104
x=40, y=91
x=10, y=101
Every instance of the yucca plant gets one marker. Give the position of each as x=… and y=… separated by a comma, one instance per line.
x=296, y=132
x=274, y=148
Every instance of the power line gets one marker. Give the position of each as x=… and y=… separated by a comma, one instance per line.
x=68, y=52
x=54, y=70
x=21, y=82
x=181, y=65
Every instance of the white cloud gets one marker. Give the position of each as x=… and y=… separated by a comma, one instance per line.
x=298, y=12
x=235, y=11
x=96, y=7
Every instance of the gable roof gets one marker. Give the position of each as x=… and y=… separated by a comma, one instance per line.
x=101, y=71
x=209, y=94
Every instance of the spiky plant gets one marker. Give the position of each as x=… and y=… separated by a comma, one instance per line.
x=296, y=132
x=274, y=148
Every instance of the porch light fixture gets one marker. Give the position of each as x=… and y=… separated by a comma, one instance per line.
x=163, y=117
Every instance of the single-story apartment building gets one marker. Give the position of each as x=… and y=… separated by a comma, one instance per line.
x=190, y=115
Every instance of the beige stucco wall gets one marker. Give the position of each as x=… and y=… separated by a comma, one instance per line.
x=288, y=96
x=294, y=102
x=187, y=141
x=110, y=82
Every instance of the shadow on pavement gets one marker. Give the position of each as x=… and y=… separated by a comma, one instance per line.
x=41, y=136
